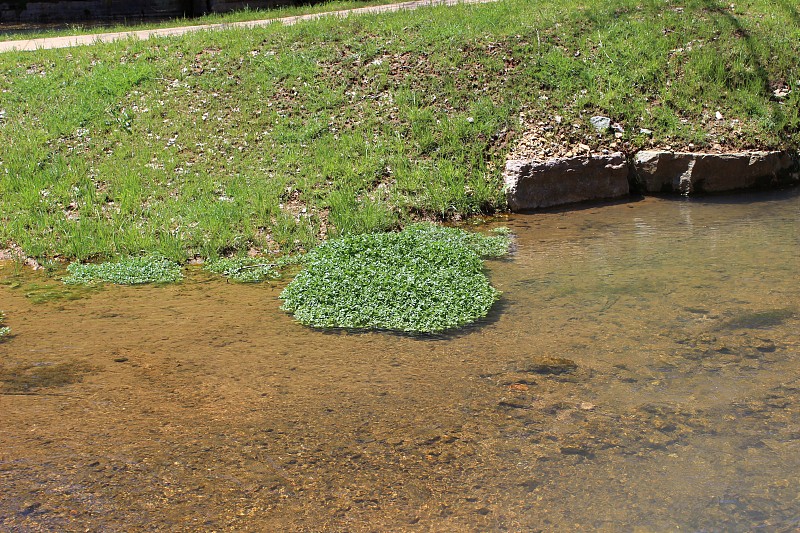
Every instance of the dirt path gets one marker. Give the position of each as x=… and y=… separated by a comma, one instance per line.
x=78, y=40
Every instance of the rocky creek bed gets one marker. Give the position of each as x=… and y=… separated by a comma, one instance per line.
x=639, y=373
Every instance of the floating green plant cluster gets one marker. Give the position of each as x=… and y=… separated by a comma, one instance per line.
x=425, y=278
x=249, y=269
x=126, y=271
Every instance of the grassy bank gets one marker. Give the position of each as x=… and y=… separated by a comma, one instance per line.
x=271, y=139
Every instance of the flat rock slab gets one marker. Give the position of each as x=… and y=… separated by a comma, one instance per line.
x=688, y=173
x=536, y=184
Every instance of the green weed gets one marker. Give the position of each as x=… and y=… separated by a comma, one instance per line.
x=40, y=293
x=425, y=278
x=250, y=269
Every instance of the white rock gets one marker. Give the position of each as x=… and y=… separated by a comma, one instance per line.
x=601, y=124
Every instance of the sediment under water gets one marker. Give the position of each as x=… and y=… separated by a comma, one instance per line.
x=641, y=373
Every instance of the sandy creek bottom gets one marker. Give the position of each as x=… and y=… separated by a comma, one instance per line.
x=641, y=373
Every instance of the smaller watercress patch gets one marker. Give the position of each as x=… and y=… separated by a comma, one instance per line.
x=125, y=271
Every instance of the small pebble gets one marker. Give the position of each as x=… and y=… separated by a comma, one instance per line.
x=600, y=123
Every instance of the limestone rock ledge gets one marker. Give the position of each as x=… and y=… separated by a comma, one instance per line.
x=534, y=184
x=687, y=173
x=537, y=184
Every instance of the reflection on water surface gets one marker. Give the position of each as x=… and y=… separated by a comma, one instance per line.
x=640, y=374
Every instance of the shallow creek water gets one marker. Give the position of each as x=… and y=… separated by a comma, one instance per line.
x=641, y=373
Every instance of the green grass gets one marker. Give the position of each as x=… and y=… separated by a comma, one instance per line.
x=270, y=140
x=426, y=278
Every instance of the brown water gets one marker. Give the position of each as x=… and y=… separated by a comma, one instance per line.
x=641, y=373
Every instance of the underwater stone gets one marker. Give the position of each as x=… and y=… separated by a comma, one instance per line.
x=552, y=365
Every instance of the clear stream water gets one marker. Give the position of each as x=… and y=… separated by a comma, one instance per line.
x=641, y=373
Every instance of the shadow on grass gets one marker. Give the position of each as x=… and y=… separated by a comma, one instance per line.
x=755, y=59
x=722, y=16
x=790, y=7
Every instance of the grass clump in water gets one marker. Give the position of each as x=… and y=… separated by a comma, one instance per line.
x=249, y=269
x=424, y=279
x=126, y=271
x=5, y=331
